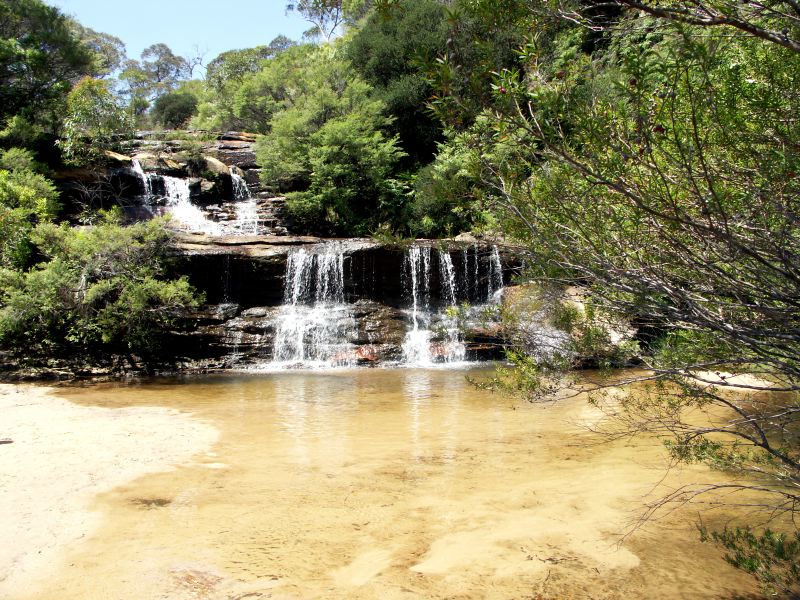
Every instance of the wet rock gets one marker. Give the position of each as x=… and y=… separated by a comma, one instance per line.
x=379, y=324
x=251, y=176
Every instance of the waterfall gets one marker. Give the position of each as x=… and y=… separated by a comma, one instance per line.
x=416, y=347
x=448, y=277
x=315, y=323
x=434, y=335
x=240, y=189
x=246, y=222
x=144, y=178
x=318, y=326
x=179, y=205
x=495, y=273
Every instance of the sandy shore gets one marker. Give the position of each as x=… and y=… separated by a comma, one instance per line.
x=61, y=456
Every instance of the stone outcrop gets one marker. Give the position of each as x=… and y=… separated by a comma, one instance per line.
x=243, y=281
x=548, y=321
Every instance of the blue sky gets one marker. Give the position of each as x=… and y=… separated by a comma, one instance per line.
x=213, y=26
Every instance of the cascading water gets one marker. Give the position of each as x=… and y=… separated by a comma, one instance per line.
x=417, y=346
x=315, y=323
x=316, y=326
x=495, y=273
x=240, y=189
x=183, y=211
x=144, y=178
x=434, y=335
x=246, y=221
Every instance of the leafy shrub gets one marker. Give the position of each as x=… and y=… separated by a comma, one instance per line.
x=25, y=199
x=99, y=290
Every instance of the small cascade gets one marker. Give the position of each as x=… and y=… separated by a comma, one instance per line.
x=315, y=323
x=448, y=278
x=434, y=336
x=179, y=205
x=144, y=178
x=417, y=347
x=495, y=273
x=246, y=220
x=474, y=262
x=240, y=189
x=328, y=319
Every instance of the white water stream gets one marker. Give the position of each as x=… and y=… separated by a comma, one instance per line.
x=316, y=326
x=315, y=323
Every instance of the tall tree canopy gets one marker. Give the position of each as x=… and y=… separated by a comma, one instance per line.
x=40, y=59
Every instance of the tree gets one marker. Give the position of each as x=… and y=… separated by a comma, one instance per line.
x=325, y=16
x=249, y=101
x=324, y=142
x=163, y=67
x=227, y=103
x=94, y=122
x=387, y=51
x=108, y=51
x=483, y=38
x=233, y=66
x=26, y=198
x=159, y=72
x=776, y=21
x=40, y=59
x=173, y=110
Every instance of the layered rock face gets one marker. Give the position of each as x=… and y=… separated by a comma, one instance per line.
x=216, y=175
x=288, y=301
x=282, y=300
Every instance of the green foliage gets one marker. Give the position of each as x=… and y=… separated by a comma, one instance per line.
x=21, y=132
x=100, y=290
x=95, y=122
x=325, y=141
x=448, y=197
x=239, y=92
x=387, y=52
x=163, y=68
x=232, y=67
x=108, y=51
x=483, y=38
x=18, y=159
x=40, y=57
x=773, y=558
x=351, y=190
x=173, y=110
x=25, y=199
x=159, y=72
x=327, y=16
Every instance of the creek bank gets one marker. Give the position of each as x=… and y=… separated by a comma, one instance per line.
x=62, y=457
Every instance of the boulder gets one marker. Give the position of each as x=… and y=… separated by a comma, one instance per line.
x=550, y=319
x=120, y=161
x=239, y=154
x=217, y=167
x=238, y=136
x=160, y=164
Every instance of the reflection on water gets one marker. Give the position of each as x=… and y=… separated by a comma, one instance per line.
x=385, y=484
